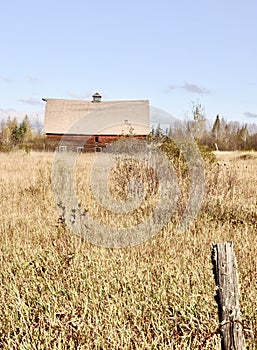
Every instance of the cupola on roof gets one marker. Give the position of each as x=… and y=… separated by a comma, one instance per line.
x=97, y=97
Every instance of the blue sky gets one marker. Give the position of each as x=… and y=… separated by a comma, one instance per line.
x=170, y=52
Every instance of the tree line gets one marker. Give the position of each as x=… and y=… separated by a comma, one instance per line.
x=218, y=135
x=20, y=135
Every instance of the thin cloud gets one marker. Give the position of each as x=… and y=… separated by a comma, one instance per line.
x=32, y=78
x=32, y=101
x=250, y=115
x=195, y=88
x=19, y=115
x=189, y=87
x=7, y=111
x=172, y=87
x=5, y=79
x=76, y=96
x=10, y=112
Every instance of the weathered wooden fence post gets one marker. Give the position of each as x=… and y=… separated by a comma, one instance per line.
x=225, y=273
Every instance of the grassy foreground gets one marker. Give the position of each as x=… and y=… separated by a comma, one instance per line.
x=58, y=292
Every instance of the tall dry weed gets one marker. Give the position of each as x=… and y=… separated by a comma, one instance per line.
x=59, y=292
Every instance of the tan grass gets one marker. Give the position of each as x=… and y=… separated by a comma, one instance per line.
x=58, y=292
x=118, y=184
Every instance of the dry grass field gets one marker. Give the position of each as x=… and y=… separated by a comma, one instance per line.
x=59, y=292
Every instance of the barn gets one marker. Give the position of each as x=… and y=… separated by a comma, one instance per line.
x=91, y=125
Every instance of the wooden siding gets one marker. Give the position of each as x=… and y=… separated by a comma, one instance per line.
x=89, y=143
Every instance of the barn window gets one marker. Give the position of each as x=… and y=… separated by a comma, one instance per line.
x=62, y=148
x=98, y=149
x=80, y=149
x=96, y=139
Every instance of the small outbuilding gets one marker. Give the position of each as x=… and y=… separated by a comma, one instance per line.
x=91, y=125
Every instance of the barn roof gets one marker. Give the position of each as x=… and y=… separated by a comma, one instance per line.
x=96, y=118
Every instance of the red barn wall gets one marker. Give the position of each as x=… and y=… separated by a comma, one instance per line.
x=88, y=142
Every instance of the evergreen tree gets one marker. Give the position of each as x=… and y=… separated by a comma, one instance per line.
x=216, y=129
x=243, y=133
x=25, y=130
x=12, y=130
x=198, y=127
x=158, y=133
